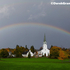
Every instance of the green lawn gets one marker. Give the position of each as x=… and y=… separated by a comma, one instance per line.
x=33, y=64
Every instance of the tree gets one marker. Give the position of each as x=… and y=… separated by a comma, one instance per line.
x=68, y=52
x=62, y=55
x=29, y=55
x=4, y=53
x=17, y=46
x=54, y=52
x=19, y=50
x=32, y=49
x=26, y=49
x=13, y=51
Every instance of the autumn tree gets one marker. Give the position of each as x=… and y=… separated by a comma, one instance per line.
x=54, y=52
x=62, y=55
x=64, y=49
x=4, y=53
x=13, y=51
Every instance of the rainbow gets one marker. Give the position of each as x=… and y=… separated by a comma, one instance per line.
x=34, y=24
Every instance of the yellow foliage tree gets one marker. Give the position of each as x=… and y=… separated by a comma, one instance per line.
x=62, y=55
x=54, y=52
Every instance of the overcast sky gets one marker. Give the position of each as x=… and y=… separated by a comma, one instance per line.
x=34, y=11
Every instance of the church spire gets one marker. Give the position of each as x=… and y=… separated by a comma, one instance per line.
x=44, y=43
x=44, y=38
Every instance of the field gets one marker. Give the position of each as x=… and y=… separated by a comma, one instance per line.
x=33, y=64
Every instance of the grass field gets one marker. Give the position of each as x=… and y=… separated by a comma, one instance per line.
x=33, y=64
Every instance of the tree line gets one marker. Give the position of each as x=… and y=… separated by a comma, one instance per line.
x=4, y=53
x=55, y=52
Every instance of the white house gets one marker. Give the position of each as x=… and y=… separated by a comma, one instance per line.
x=25, y=54
x=10, y=54
x=13, y=55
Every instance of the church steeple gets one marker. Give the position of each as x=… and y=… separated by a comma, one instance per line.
x=44, y=43
x=44, y=38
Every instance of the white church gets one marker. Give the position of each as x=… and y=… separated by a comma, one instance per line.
x=40, y=53
x=44, y=50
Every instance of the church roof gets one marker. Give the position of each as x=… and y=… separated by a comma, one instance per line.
x=39, y=49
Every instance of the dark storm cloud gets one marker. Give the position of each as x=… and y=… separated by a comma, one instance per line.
x=36, y=11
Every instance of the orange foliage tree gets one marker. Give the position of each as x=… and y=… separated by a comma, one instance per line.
x=54, y=52
x=62, y=55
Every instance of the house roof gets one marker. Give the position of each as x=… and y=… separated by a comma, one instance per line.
x=39, y=49
x=25, y=52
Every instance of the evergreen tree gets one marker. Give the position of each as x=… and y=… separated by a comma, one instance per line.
x=29, y=55
x=19, y=51
x=32, y=49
